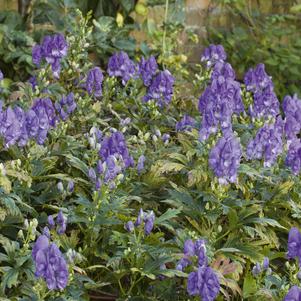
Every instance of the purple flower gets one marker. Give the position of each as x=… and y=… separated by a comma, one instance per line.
x=224, y=158
x=1, y=75
x=46, y=232
x=129, y=226
x=213, y=54
x=266, y=263
x=294, y=294
x=182, y=264
x=92, y=174
x=98, y=184
x=52, y=49
x=267, y=143
x=45, y=113
x=147, y=68
x=185, y=124
x=165, y=138
x=161, y=89
x=70, y=186
x=33, y=81
x=189, y=248
x=115, y=145
x=140, y=165
x=149, y=220
x=222, y=71
x=292, y=110
x=61, y=221
x=294, y=244
x=51, y=222
x=256, y=269
x=293, y=158
x=140, y=218
x=50, y=264
x=120, y=65
x=94, y=82
x=66, y=106
x=112, y=169
x=257, y=79
x=99, y=167
x=204, y=282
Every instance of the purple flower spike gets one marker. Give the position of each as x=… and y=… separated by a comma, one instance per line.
x=51, y=222
x=266, y=263
x=161, y=89
x=224, y=159
x=189, y=248
x=61, y=220
x=70, y=186
x=147, y=69
x=294, y=244
x=214, y=54
x=293, y=158
x=94, y=82
x=92, y=174
x=204, y=282
x=256, y=269
x=140, y=218
x=149, y=223
x=120, y=65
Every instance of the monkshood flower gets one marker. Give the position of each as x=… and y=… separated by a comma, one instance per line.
x=165, y=138
x=292, y=110
x=197, y=248
x=45, y=112
x=61, y=221
x=140, y=218
x=46, y=232
x=66, y=106
x=147, y=68
x=294, y=244
x=149, y=220
x=116, y=145
x=50, y=264
x=1, y=75
x=185, y=124
x=267, y=143
x=213, y=54
x=265, y=104
x=257, y=79
x=120, y=65
x=129, y=226
x=70, y=186
x=293, y=158
x=52, y=49
x=94, y=82
x=294, y=294
x=222, y=71
x=266, y=263
x=33, y=81
x=224, y=158
x=256, y=269
x=51, y=222
x=161, y=89
x=140, y=164
x=203, y=282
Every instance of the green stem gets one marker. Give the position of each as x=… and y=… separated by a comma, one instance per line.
x=165, y=22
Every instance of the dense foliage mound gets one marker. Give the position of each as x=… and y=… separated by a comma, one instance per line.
x=119, y=184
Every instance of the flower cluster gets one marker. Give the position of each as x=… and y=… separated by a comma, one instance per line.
x=50, y=263
x=294, y=244
x=214, y=54
x=147, y=68
x=265, y=100
x=224, y=158
x=66, y=106
x=292, y=110
x=18, y=126
x=204, y=281
x=185, y=124
x=114, y=158
x=148, y=219
x=61, y=223
x=257, y=269
x=220, y=100
x=161, y=89
x=293, y=158
x=294, y=294
x=120, y=65
x=267, y=143
x=94, y=82
x=52, y=49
